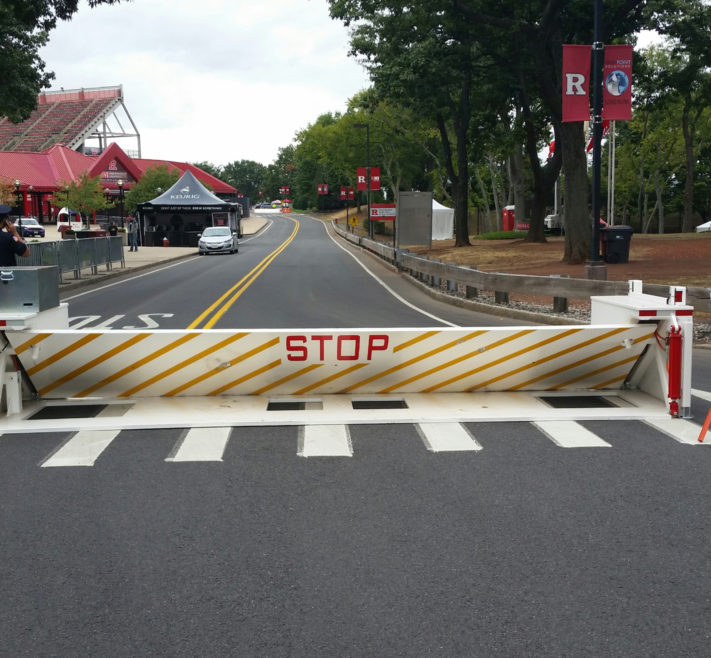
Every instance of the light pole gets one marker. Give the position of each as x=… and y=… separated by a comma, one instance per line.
x=595, y=268
x=119, y=182
x=18, y=201
x=367, y=171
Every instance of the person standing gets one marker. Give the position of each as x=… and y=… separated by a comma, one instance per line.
x=11, y=244
x=132, y=230
x=113, y=229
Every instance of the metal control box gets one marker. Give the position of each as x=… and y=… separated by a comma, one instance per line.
x=28, y=289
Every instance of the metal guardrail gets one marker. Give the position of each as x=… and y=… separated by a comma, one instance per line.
x=77, y=255
x=559, y=287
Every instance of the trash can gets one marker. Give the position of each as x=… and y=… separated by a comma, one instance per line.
x=616, y=243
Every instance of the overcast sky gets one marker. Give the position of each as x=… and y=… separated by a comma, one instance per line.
x=214, y=80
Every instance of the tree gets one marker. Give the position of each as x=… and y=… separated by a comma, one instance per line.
x=212, y=169
x=84, y=195
x=247, y=176
x=24, y=28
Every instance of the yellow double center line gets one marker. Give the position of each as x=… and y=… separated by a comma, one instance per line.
x=222, y=305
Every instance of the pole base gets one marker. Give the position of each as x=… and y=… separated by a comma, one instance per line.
x=596, y=270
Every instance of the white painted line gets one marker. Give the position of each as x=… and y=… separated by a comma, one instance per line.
x=447, y=437
x=683, y=431
x=704, y=395
x=569, y=434
x=202, y=444
x=325, y=441
x=82, y=449
x=382, y=283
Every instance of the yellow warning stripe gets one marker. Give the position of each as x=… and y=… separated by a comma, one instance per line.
x=135, y=365
x=328, y=380
x=32, y=341
x=93, y=363
x=552, y=357
x=62, y=353
x=605, y=353
x=183, y=364
x=219, y=369
x=414, y=341
x=575, y=364
x=283, y=380
x=515, y=355
x=409, y=362
x=494, y=345
x=240, y=380
x=606, y=368
x=609, y=382
x=431, y=371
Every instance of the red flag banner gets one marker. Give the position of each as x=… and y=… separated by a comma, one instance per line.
x=362, y=184
x=351, y=194
x=617, y=83
x=343, y=192
x=320, y=189
x=375, y=178
x=576, y=83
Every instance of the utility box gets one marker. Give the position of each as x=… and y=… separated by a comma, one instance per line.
x=28, y=289
x=509, y=218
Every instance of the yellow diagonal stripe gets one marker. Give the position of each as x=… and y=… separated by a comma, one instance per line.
x=62, y=353
x=327, y=380
x=575, y=364
x=431, y=371
x=183, y=364
x=283, y=380
x=584, y=376
x=526, y=350
x=93, y=363
x=215, y=371
x=32, y=341
x=135, y=365
x=488, y=348
x=416, y=359
x=248, y=376
x=415, y=340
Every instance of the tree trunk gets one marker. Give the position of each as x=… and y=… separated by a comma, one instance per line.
x=577, y=194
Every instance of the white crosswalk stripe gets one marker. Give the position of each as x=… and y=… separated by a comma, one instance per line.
x=82, y=449
x=569, y=434
x=325, y=441
x=202, y=444
x=447, y=437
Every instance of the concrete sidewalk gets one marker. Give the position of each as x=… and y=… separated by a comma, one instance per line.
x=144, y=258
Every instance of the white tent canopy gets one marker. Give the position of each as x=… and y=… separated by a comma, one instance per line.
x=442, y=221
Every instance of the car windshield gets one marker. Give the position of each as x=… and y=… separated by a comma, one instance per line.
x=216, y=231
x=26, y=221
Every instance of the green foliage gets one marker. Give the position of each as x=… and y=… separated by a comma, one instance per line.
x=247, y=176
x=85, y=195
x=153, y=183
x=502, y=235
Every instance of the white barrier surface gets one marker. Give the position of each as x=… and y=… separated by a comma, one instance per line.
x=114, y=364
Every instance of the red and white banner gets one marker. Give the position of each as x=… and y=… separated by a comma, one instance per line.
x=617, y=83
x=375, y=178
x=351, y=194
x=361, y=177
x=576, y=82
x=343, y=192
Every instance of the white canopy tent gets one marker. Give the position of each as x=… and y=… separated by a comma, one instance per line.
x=442, y=221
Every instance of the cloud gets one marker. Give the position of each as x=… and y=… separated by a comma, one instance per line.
x=213, y=81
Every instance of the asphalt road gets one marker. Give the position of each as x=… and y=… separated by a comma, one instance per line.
x=521, y=548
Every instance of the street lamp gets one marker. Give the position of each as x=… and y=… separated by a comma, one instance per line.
x=18, y=200
x=119, y=182
x=367, y=170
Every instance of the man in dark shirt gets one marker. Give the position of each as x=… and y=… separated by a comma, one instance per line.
x=11, y=244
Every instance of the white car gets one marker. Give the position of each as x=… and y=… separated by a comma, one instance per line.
x=702, y=228
x=217, y=240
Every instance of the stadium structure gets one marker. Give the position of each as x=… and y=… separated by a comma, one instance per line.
x=74, y=132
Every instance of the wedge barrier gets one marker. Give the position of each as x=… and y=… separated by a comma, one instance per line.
x=627, y=345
